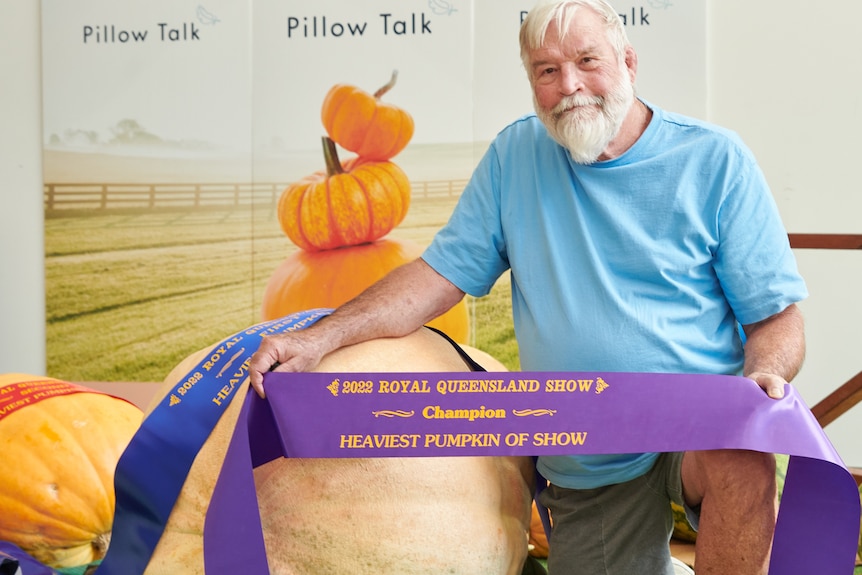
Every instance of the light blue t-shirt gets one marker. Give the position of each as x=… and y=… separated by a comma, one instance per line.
x=642, y=263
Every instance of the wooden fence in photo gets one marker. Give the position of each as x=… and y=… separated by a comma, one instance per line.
x=103, y=197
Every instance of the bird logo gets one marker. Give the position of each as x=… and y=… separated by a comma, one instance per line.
x=441, y=7
x=206, y=17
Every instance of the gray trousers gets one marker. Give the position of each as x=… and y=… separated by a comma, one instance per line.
x=621, y=529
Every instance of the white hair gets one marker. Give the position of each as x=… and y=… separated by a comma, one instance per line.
x=561, y=12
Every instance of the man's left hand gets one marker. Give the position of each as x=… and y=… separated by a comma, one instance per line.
x=772, y=384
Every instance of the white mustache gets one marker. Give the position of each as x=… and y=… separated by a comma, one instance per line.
x=571, y=102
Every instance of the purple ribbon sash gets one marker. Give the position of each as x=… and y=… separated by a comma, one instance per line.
x=345, y=415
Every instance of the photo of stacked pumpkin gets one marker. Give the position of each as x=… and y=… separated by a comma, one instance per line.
x=339, y=218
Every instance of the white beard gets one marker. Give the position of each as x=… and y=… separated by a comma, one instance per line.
x=591, y=122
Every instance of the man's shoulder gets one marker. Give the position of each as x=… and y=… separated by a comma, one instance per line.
x=690, y=135
x=525, y=129
x=696, y=127
x=527, y=121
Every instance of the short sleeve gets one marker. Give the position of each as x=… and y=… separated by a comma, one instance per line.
x=754, y=262
x=470, y=250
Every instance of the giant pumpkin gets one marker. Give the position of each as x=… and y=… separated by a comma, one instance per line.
x=413, y=516
x=363, y=123
x=356, y=203
x=310, y=280
x=60, y=444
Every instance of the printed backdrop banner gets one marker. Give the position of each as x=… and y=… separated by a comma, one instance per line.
x=172, y=128
x=197, y=76
x=537, y=413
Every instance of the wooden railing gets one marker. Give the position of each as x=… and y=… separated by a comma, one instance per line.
x=848, y=394
x=839, y=401
x=179, y=196
x=826, y=241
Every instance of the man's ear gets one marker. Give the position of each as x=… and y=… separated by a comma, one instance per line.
x=632, y=63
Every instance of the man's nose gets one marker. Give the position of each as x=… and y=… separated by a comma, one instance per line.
x=570, y=80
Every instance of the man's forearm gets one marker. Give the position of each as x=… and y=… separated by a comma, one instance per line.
x=400, y=303
x=776, y=345
x=397, y=305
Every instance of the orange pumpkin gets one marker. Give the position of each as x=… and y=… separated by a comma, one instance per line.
x=347, y=205
x=538, y=540
x=59, y=456
x=309, y=280
x=361, y=123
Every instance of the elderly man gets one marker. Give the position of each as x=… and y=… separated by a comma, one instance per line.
x=637, y=240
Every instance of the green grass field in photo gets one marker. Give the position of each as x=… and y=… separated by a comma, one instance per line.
x=129, y=295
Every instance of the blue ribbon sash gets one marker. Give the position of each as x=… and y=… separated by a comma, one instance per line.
x=345, y=415
x=154, y=466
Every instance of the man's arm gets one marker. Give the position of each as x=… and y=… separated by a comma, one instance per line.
x=774, y=350
x=400, y=303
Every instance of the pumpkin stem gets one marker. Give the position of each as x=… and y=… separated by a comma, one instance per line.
x=100, y=545
x=386, y=87
x=330, y=155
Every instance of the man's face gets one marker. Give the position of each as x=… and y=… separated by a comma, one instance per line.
x=581, y=90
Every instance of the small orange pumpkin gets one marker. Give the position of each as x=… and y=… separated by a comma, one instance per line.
x=538, y=540
x=60, y=448
x=310, y=280
x=347, y=205
x=363, y=124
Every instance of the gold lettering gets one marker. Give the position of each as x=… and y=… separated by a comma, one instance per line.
x=386, y=441
x=222, y=394
x=12, y=406
x=568, y=385
x=462, y=440
x=446, y=386
x=482, y=412
x=559, y=439
x=420, y=386
x=404, y=386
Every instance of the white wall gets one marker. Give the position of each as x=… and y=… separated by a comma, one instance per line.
x=22, y=306
x=781, y=73
x=785, y=75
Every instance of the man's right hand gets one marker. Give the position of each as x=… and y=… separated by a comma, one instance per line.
x=296, y=351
